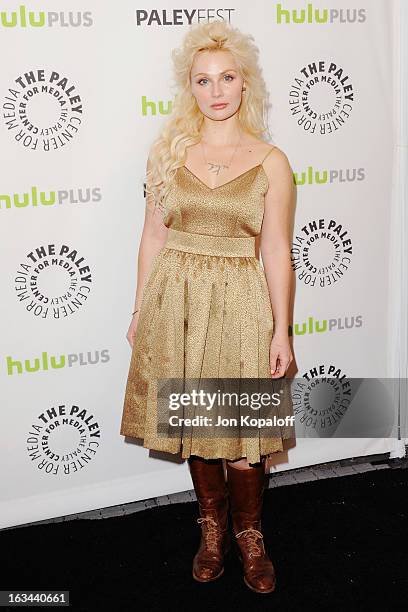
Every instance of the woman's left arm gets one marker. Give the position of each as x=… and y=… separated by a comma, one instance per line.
x=275, y=250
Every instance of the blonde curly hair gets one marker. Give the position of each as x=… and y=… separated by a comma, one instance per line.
x=182, y=129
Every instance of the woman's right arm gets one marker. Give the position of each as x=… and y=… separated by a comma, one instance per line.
x=153, y=239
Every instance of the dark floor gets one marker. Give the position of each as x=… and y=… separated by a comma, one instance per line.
x=337, y=544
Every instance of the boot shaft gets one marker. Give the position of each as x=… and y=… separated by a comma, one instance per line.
x=212, y=496
x=210, y=488
x=246, y=488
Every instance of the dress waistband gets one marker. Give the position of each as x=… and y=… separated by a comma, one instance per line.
x=203, y=244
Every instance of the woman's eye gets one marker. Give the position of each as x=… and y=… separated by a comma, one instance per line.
x=225, y=75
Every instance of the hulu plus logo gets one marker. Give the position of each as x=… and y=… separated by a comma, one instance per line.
x=313, y=176
x=148, y=107
x=47, y=362
x=24, y=18
x=320, y=326
x=312, y=15
x=37, y=198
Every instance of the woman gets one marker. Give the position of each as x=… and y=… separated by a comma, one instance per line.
x=204, y=307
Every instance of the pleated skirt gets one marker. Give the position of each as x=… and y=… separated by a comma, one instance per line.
x=202, y=316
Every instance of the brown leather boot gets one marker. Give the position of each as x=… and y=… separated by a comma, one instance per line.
x=246, y=489
x=212, y=496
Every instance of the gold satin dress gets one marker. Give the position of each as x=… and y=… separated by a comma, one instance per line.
x=205, y=311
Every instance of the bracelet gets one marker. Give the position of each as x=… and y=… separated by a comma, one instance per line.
x=137, y=310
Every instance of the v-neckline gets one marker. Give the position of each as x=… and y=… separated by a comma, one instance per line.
x=223, y=184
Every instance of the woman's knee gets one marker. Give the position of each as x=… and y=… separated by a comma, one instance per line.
x=242, y=464
x=239, y=464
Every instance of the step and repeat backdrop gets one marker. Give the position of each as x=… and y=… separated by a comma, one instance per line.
x=85, y=88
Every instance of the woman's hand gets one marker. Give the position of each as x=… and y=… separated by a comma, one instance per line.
x=132, y=329
x=280, y=356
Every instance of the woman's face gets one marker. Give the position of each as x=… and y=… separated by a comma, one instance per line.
x=215, y=79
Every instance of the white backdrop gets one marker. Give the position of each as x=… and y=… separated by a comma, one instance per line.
x=84, y=92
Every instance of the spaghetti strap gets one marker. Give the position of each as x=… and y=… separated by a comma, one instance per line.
x=270, y=150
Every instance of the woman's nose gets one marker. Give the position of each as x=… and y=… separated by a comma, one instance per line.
x=216, y=90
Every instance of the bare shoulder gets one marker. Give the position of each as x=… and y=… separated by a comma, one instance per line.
x=276, y=158
x=277, y=167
